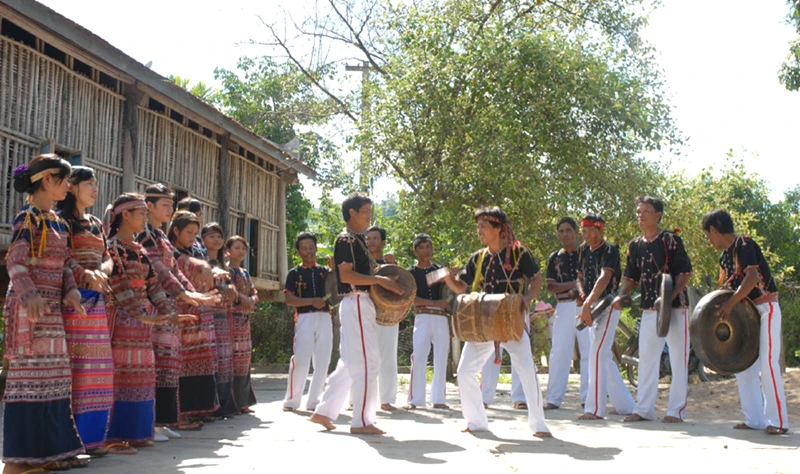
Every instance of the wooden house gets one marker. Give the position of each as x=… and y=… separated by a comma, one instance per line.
x=65, y=90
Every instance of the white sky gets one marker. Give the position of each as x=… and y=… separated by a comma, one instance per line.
x=720, y=60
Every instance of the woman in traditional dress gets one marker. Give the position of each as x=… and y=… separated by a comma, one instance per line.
x=38, y=429
x=134, y=288
x=198, y=384
x=88, y=341
x=246, y=298
x=198, y=249
x=214, y=239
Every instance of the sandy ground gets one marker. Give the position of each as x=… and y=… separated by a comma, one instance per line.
x=429, y=440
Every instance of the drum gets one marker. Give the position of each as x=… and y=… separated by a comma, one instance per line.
x=391, y=308
x=331, y=285
x=729, y=346
x=482, y=317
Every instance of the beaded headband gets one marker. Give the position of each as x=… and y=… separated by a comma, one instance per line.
x=592, y=223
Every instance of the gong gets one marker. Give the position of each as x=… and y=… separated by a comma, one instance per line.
x=729, y=346
x=598, y=308
x=331, y=285
x=664, y=311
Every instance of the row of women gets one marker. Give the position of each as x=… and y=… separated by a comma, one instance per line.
x=117, y=333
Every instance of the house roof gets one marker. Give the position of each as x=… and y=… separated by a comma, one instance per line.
x=95, y=46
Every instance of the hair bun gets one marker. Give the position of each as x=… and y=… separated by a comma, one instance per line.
x=22, y=182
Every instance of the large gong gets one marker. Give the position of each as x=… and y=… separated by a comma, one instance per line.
x=729, y=346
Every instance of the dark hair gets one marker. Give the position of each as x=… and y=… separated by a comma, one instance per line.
x=23, y=174
x=496, y=216
x=189, y=204
x=378, y=229
x=113, y=228
x=721, y=221
x=210, y=228
x=157, y=191
x=567, y=220
x=180, y=221
x=67, y=208
x=420, y=238
x=354, y=201
x=594, y=218
x=658, y=204
x=236, y=238
x=304, y=236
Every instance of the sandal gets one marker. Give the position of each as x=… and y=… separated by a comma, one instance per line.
x=79, y=461
x=36, y=470
x=247, y=410
x=122, y=447
x=774, y=430
x=143, y=444
x=56, y=466
x=190, y=426
x=98, y=452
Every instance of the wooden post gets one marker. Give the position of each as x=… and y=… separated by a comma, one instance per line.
x=283, y=259
x=224, y=184
x=130, y=140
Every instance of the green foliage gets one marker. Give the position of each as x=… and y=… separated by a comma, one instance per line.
x=790, y=322
x=200, y=89
x=272, y=333
x=789, y=74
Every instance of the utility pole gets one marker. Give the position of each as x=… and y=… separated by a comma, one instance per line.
x=364, y=178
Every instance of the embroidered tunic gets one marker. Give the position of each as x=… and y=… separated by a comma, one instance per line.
x=242, y=344
x=593, y=261
x=308, y=283
x=647, y=261
x=745, y=253
x=562, y=267
x=38, y=425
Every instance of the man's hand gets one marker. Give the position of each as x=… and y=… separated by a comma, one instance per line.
x=724, y=310
x=585, y=315
x=390, y=259
x=318, y=303
x=391, y=285
x=73, y=299
x=441, y=304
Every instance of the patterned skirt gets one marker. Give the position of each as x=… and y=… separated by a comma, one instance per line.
x=242, y=352
x=38, y=425
x=198, y=380
x=167, y=349
x=133, y=415
x=89, y=347
x=222, y=330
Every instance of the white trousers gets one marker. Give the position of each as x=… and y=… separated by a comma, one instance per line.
x=604, y=376
x=473, y=357
x=357, y=370
x=387, y=375
x=313, y=342
x=561, y=350
x=761, y=385
x=490, y=375
x=429, y=329
x=650, y=348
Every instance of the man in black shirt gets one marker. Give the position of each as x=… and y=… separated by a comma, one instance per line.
x=498, y=268
x=387, y=335
x=562, y=281
x=655, y=253
x=313, y=331
x=357, y=370
x=431, y=326
x=745, y=271
x=598, y=275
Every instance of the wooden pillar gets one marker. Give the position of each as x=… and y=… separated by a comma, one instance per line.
x=224, y=184
x=283, y=260
x=130, y=140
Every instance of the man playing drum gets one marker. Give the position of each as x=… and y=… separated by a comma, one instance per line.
x=387, y=335
x=598, y=276
x=744, y=270
x=357, y=370
x=655, y=253
x=562, y=281
x=497, y=269
x=431, y=326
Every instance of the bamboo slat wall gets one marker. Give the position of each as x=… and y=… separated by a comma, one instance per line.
x=14, y=150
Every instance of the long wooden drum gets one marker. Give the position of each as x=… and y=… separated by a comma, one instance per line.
x=391, y=308
x=482, y=317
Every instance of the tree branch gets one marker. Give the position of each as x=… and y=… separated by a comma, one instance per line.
x=359, y=44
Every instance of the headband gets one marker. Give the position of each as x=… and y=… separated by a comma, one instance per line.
x=592, y=223
x=210, y=231
x=489, y=218
x=160, y=195
x=127, y=206
x=41, y=174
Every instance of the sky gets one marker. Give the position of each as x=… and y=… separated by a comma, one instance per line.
x=720, y=60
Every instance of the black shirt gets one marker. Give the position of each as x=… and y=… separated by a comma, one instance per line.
x=496, y=278
x=745, y=253
x=352, y=248
x=306, y=282
x=592, y=262
x=423, y=290
x=646, y=261
x=562, y=267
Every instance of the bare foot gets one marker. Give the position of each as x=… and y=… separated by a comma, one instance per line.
x=634, y=417
x=441, y=406
x=410, y=407
x=774, y=430
x=590, y=416
x=367, y=430
x=466, y=430
x=671, y=419
x=387, y=407
x=322, y=420
x=550, y=406
x=288, y=409
x=742, y=426
x=543, y=434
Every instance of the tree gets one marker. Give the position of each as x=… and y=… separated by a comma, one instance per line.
x=542, y=108
x=200, y=89
x=789, y=74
